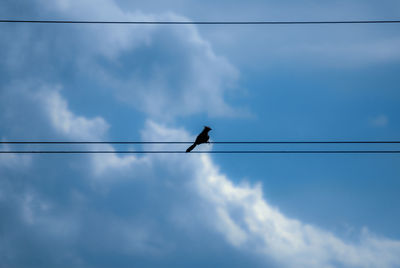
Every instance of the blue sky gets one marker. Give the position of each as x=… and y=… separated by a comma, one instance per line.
x=155, y=83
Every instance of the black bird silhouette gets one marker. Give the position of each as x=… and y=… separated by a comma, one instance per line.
x=201, y=138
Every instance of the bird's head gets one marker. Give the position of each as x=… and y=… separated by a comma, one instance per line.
x=207, y=128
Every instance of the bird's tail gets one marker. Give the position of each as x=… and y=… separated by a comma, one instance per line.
x=191, y=147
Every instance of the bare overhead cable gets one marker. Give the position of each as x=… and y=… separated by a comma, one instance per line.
x=200, y=22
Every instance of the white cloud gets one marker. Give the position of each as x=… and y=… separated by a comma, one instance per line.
x=250, y=223
x=137, y=213
x=164, y=71
x=46, y=114
x=79, y=128
x=239, y=212
x=65, y=122
x=184, y=77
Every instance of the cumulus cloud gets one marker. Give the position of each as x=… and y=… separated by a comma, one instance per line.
x=239, y=213
x=64, y=121
x=248, y=221
x=175, y=74
x=164, y=71
x=155, y=209
x=47, y=114
x=79, y=128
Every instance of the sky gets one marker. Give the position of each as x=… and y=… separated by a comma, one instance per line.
x=164, y=83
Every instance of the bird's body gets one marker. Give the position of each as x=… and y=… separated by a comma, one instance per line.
x=201, y=138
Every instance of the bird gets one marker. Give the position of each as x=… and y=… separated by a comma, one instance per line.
x=201, y=138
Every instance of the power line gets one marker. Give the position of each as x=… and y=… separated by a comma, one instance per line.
x=211, y=152
x=201, y=22
x=190, y=142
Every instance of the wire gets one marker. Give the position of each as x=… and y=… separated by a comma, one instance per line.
x=209, y=152
x=190, y=142
x=203, y=22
